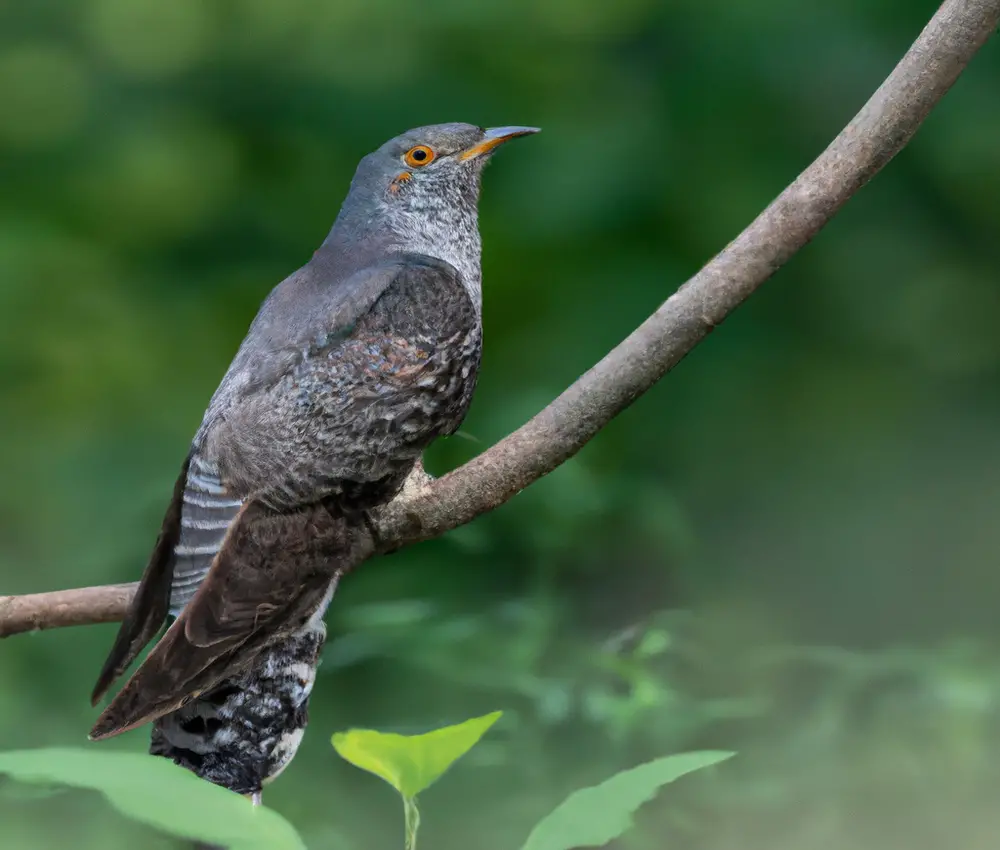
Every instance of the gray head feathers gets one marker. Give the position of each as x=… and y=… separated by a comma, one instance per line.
x=419, y=192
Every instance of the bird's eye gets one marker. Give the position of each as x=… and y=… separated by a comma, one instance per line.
x=418, y=156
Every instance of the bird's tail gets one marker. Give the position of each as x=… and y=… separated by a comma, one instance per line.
x=246, y=730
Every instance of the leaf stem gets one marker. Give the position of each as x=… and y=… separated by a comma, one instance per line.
x=412, y=817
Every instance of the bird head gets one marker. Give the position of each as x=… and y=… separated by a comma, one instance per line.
x=440, y=159
x=420, y=191
x=428, y=168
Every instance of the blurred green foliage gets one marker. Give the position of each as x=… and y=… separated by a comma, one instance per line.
x=595, y=816
x=153, y=791
x=176, y=802
x=789, y=548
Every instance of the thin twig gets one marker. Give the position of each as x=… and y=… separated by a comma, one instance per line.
x=427, y=509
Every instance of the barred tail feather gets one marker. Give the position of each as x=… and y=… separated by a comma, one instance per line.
x=207, y=511
x=244, y=732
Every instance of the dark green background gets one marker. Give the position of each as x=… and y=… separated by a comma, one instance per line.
x=788, y=548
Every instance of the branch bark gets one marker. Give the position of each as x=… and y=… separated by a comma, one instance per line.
x=429, y=508
x=85, y=606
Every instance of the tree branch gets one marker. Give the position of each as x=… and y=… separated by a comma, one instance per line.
x=428, y=508
x=85, y=606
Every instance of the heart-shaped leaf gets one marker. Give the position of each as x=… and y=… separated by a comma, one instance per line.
x=411, y=763
x=591, y=817
x=159, y=793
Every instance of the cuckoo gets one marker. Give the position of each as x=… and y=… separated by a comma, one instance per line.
x=353, y=365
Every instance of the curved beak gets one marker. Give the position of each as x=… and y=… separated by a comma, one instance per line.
x=493, y=138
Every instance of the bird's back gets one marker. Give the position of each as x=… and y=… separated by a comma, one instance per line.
x=385, y=362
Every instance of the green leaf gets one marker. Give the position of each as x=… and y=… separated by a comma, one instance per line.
x=159, y=793
x=591, y=817
x=411, y=763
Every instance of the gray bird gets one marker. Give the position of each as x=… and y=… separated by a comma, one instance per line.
x=352, y=367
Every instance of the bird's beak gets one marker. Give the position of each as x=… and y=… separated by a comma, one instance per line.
x=493, y=138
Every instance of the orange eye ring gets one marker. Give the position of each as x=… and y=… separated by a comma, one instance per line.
x=419, y=156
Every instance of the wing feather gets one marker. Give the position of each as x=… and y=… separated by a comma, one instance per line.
x=271, y=574
x=239, y=585
x=148, y=609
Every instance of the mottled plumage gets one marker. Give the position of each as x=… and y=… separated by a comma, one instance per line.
x=353, y=366
x=246, y=730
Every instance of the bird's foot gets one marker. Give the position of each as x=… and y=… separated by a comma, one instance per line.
x=418, y=478
x=416, y=483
